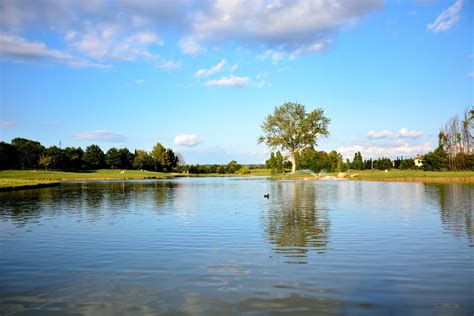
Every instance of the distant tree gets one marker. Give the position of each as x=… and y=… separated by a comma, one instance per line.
x=45, y=161
x=112, y=158
x=279, y=162
x=29, y=152
x=73, y=157
x=171, y=160
x=126, y=159
x=291, y=129
x=158, y=154
x=244, y=170
x=94, y=157
x=181, y=161
x=8, y=156
x=383, y=164
x=232, y=167
x=271, y=163
x=357, y=162
x=143, y=160
x=57, y=157
x=437, y=160
x=334, y=161
x=407, y=164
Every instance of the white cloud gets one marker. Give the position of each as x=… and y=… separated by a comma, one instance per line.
x=211, y=71
x=101, y=135
x=392, y=151
x=302, y=25
x=187, y=140
x=21, y=49
x=447, y=18
x=406, y=133
x=139, y=81
x=381, y=134
x=402, y=133
x=8, y=124
x=190, y=46
x=230, y=81
x=169, y=64
x=113, y=43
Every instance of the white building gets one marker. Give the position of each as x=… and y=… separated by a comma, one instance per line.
x=418, y=161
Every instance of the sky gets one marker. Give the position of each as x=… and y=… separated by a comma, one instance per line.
x=201, y=76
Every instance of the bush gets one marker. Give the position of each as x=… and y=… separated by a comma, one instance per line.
x=244, y=170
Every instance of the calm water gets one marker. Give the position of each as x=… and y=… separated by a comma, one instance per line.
x=215, y=246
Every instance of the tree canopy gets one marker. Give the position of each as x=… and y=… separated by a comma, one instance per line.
x=291, y=129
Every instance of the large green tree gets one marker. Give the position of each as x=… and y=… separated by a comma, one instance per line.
x=29, y=152
x=291, y=129
x=112, y=158
x=94, y=157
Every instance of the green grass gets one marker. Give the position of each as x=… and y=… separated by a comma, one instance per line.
x=408, y=174
x=7, y=184
x=102, y=174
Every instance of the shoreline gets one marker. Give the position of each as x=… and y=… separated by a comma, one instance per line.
x=51, y=182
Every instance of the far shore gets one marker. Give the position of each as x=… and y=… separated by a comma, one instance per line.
x=11, y=180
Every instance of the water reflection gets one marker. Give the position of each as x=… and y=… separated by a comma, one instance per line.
x=92, y=200
x=295, y=222
x=455, y=203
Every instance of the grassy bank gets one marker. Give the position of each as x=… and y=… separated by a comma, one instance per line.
x=378, y=175
x=16, y=179
x=19, y=184
x=411, y=175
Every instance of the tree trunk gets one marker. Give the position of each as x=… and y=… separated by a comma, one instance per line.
x=293, y=163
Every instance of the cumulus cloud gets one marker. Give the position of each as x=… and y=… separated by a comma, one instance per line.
x=391, y=151
x=211, y=71
x=127, y=30
x=8, y=124
x=447, y=19
x=187, y=140
x=402, y=133
x=230, y=81
x=101, y=135
x=21, y=49
x=303, y=26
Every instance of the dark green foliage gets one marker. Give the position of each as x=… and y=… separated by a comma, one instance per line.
x=113, y=159
x=73, y=158
x=436, y=160
x=29, y=152
x=8, y=156
x=126, y=158
x=171, y=160
x=232, y=167
x=94, y=157
x=276, y=163
x=407, y=164
x=57, y=157
x=143, y=161
x=383, y=164
x=368, y=164
x=357, y=162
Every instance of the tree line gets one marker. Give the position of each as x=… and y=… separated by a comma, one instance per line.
x=454, y=152
x=24, y=153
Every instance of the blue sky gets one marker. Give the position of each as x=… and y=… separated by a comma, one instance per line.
x=200, y=76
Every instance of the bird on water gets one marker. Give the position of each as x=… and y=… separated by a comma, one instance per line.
x=267, y=196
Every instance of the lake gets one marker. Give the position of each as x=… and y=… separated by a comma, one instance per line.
x=216, y=246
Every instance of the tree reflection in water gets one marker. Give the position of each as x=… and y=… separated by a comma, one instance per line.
x=295, y=222
x=455, y=208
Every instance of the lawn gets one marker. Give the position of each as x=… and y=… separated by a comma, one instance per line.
x=411, y=175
